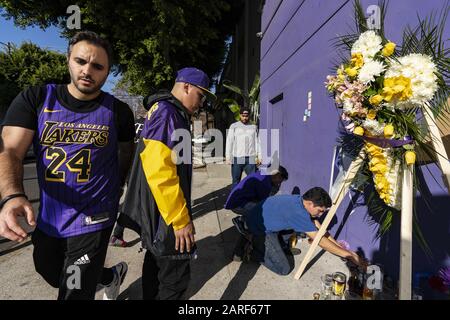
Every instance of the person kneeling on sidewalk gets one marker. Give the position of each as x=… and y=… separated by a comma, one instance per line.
x=254, y=188
x=267, y=220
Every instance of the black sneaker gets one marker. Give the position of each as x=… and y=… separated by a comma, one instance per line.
x=239, y=224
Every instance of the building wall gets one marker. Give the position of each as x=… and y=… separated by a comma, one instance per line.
x=296, y=56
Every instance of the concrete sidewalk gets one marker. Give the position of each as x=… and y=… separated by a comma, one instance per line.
x=214, y=275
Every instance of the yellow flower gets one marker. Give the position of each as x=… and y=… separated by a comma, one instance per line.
x=389, y=131
x=358, y=131
x=388, y=49
x=357, y=60
x=379, y=167
x=377, y=159
x=374, y=150
x=371, y=115
x=410, y=157
x=375, y=100
x=397, y=88
x=351, y=71
x=340, y=73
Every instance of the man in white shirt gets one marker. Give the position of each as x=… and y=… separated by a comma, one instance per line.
x=242, y=148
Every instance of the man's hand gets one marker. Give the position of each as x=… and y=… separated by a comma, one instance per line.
x=359, y=261
x=227, y=161
x=9, y=228
x=184, y=238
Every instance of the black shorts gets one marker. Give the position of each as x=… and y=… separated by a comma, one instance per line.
x=74, y=265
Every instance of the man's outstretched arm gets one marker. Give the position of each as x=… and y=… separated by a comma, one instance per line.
x=337, y=250
x=327, y=234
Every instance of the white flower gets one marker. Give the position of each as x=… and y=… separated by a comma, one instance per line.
x=368, y=44
x=347, y=106
x=373, y=126
x=395, y=182
x=421, y=70
x=370, y=70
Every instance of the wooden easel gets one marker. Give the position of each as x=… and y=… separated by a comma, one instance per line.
x=406, y=211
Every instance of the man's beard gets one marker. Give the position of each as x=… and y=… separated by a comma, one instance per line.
x=87, y=90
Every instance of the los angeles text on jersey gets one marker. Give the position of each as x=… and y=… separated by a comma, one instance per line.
x=74, y=133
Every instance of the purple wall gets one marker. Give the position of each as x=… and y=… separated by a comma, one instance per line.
x=306, y=148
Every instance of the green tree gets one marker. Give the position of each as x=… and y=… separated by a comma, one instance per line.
x=151, y=38
x=28, y=65
x=250, y=99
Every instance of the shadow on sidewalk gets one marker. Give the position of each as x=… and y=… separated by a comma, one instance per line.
x=210, y=202
x=133, y=292
x=215, y=253
x=239, y=283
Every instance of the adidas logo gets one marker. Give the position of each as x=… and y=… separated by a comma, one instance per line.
x=83, y=260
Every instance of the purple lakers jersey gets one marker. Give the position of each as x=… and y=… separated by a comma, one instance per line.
x=77, y=167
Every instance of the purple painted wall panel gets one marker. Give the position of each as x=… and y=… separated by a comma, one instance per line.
x=310, y=16
x=307, y=147
x=286, y=9
x=269, y=10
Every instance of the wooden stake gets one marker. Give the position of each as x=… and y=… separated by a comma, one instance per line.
x=438, y=145
x=406, y=234
x=351, y=172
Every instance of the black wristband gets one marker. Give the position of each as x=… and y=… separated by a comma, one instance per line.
x=12, y=196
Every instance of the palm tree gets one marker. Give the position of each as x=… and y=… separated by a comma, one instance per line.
x=251, y=99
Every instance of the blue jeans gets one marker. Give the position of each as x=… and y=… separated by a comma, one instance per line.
x=245, y=209
x=242, y=241
x=272, y=251
x=238, y=166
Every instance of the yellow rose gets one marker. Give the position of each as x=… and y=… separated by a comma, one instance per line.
x=357, y=60
x=351, y=71
x=358, y=131
x=410, y=157
x=388, y=49
x=376, y=100
x=371, y=115
x=389, y=131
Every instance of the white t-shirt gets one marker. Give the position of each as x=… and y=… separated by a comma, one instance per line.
x=242, y=141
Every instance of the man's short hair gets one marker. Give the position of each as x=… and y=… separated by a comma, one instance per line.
x=92, y=38
x=318, y=196
x=244, y=109
x=283, y=172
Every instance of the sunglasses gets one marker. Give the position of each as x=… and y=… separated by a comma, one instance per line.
x=203, y=98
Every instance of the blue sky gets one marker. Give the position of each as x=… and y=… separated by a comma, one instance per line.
x=48, y=38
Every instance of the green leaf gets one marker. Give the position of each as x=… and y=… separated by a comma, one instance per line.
x=227, y=84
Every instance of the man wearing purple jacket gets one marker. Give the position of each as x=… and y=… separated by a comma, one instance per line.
x=254, y=188
x=83, y=141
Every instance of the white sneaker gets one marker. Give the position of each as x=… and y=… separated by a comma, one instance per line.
x=112, y=290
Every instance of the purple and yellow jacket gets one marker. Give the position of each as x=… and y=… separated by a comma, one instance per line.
x=158, y=199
